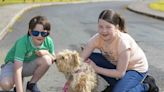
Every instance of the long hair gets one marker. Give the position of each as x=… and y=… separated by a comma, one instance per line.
x=113, y=18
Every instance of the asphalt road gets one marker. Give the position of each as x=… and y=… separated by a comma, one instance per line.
x=74, y=24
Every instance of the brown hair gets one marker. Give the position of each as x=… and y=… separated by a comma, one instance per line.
x=39, y=20
x=113, y=18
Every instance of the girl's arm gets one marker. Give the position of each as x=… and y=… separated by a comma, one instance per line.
x=121, y=66
x=18, y=66
x=88, y=49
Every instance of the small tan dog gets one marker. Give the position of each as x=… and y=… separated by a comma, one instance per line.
x=80, y=75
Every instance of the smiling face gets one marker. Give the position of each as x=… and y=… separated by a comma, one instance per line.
x=38, y=40
x=106, y=30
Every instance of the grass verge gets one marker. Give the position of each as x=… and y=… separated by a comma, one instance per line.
x=6, y=2
x=157, y=5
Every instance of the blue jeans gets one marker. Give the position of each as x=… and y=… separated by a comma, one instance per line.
x=131, y=82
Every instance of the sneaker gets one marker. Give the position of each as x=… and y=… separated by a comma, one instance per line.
x=14, y=90
x=32, y=87
x=107, y=89
x=151, y=82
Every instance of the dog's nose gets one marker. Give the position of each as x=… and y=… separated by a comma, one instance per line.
x=55, y=60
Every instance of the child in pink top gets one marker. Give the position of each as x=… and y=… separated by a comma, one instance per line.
x=122, y=63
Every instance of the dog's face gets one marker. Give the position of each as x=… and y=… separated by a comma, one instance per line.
x=67, y=61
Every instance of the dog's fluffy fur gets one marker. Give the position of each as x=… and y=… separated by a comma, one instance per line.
x=81, y=75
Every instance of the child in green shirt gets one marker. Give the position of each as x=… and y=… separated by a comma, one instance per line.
x=31, y=55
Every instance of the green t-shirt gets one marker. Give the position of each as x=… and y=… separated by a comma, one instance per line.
x=24, y=49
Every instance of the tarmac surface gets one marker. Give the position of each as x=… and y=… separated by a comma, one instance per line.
x=10, y=13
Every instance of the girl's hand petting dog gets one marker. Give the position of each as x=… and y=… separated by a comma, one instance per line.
x=89, y=61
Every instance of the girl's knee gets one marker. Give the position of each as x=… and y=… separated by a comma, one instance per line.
x=6, y=84
x=95, y=57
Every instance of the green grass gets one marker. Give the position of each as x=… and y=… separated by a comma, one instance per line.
x=4, y=2
x=157, y=5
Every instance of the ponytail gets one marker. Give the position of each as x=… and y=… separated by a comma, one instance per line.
x=122, y=25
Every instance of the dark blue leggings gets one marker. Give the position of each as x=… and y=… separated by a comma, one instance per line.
x=131, y=82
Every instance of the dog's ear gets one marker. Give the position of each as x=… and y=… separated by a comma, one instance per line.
x=76, y=57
